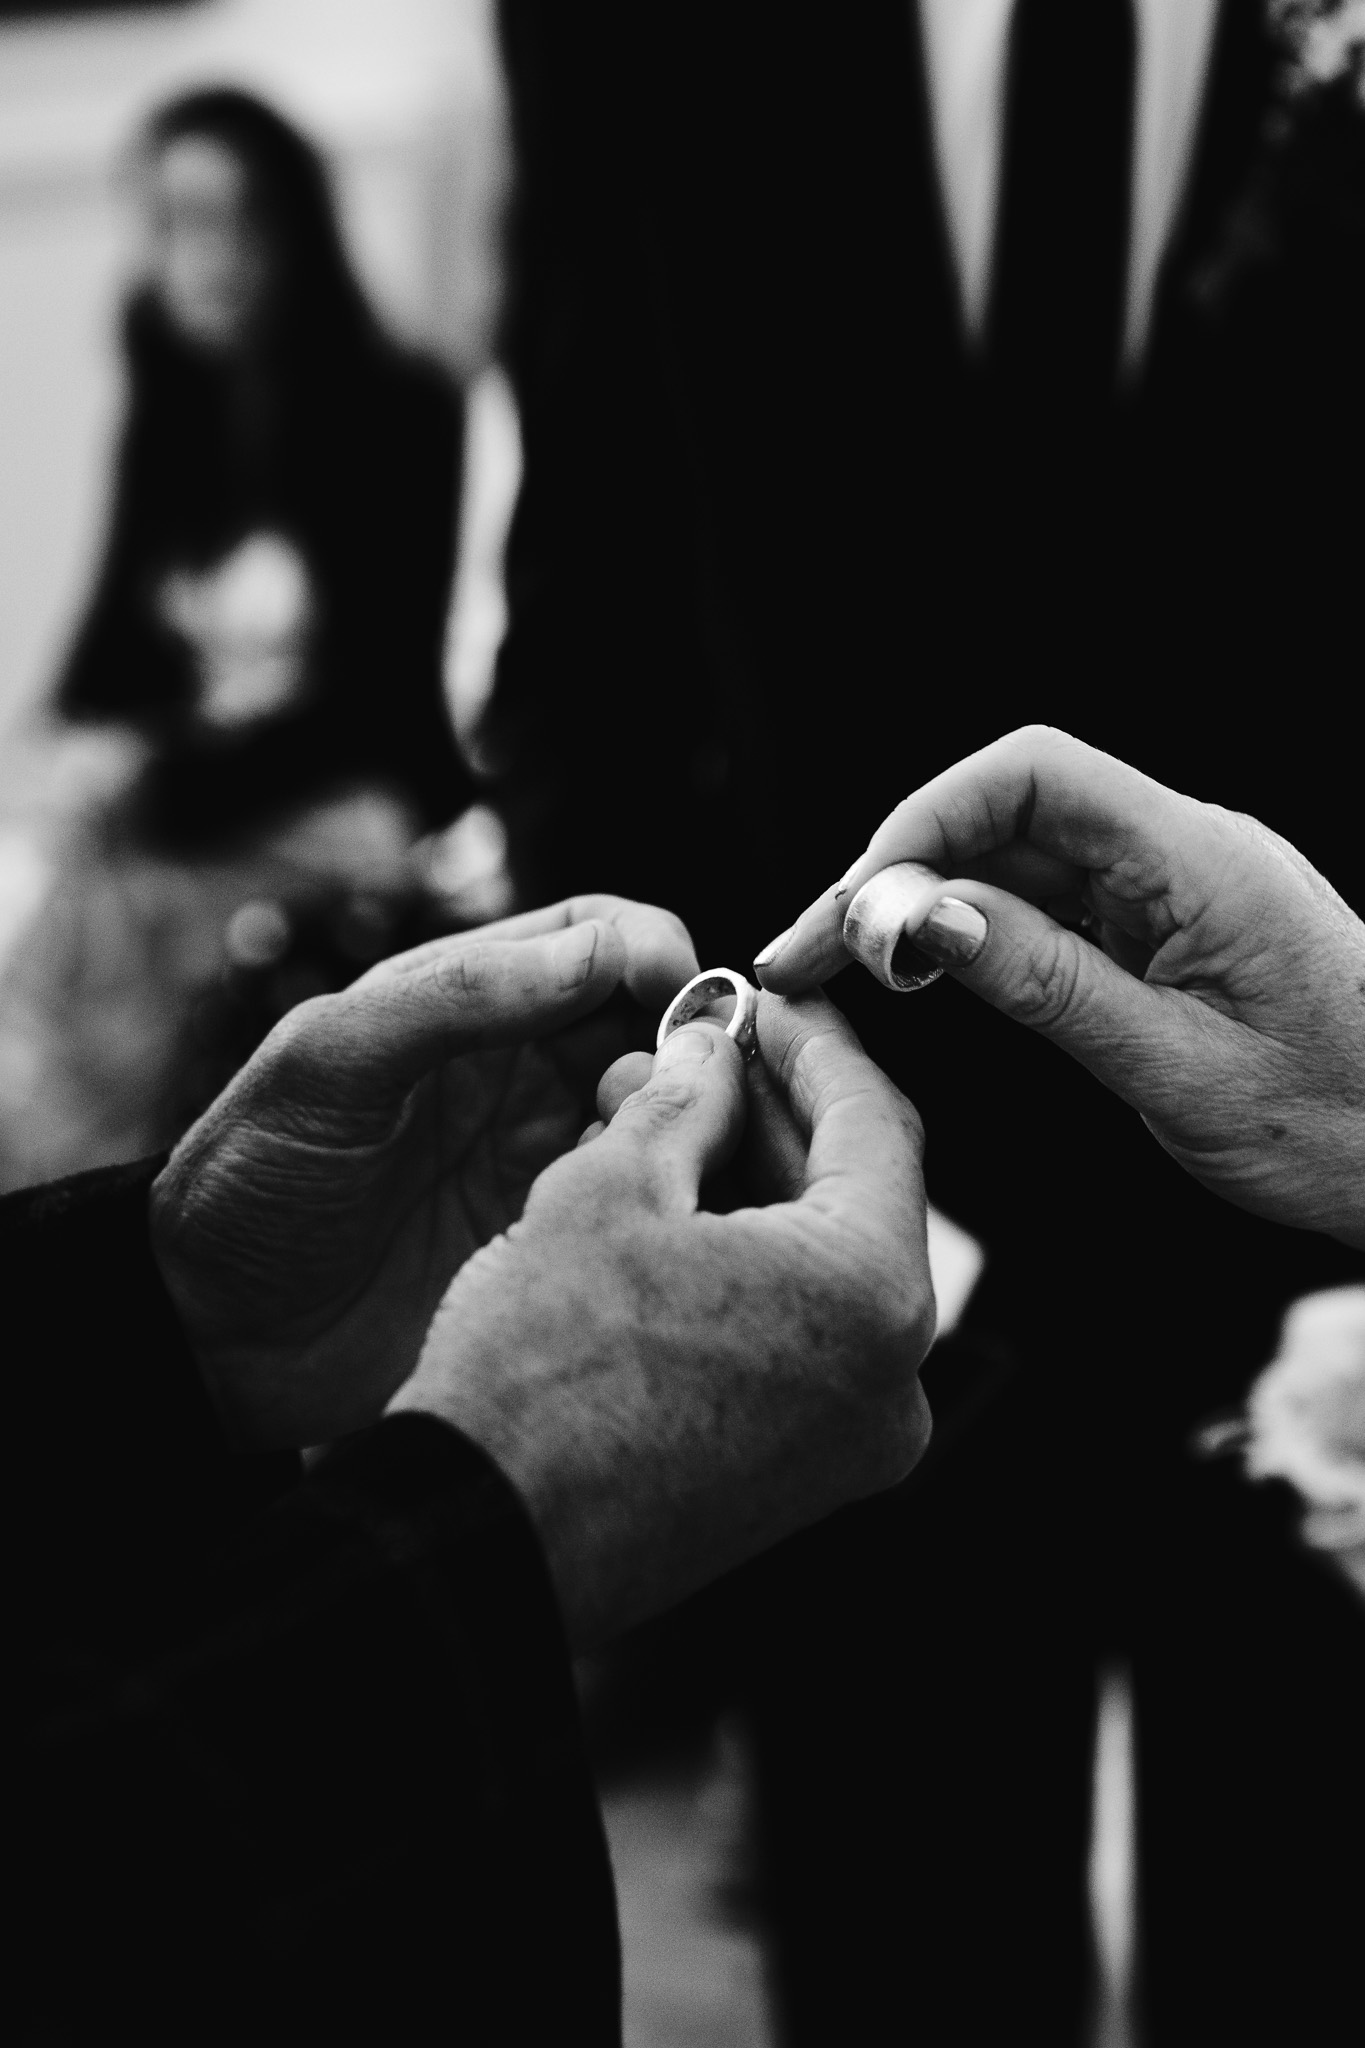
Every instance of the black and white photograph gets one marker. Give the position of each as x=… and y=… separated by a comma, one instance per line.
x=682, y=1021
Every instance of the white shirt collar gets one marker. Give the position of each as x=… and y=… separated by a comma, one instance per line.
x=965, y=44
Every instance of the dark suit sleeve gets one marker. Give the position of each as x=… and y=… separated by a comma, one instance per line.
x=304, y=1759
x=112, y=1441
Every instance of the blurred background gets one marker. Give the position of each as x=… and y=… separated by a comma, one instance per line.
x=405, y=99
x=251, y=270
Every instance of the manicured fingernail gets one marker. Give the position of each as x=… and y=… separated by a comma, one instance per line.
x=953, y=933
x=773, y=948
x=889, y=905
x=573, y=954
x=691, y=1045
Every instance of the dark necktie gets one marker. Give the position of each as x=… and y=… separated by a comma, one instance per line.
x=1061, y=254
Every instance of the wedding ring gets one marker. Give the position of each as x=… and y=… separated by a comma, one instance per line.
x=876, y=920
x=713, y=987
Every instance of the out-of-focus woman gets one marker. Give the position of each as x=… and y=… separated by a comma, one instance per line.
x=259, y=673
x=273, y=601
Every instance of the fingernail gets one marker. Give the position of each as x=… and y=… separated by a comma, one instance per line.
x=889, y=905
x=573, y=954
x=691, y=1045
x=953, y=933
x=773, y=948
x=845, y=881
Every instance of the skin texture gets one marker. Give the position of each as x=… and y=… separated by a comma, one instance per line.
x=671, y=1389
x=1216, y=983
x=310, y=1222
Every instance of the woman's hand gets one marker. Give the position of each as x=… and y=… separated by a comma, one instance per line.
x=1217, y=982
x=308, y=1225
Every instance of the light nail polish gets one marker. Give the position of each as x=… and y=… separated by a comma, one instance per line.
x=953, y=933
x=773, y=948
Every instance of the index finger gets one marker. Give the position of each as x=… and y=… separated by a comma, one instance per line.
x=1068, y=801
x=864, y=1165
x=658, y=952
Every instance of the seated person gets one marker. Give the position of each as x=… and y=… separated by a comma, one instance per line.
x=270, y=613
x=252, y=713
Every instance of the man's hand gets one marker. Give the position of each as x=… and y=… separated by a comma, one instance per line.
x=310, y=1222
x=1221, y=989
x=672, y=1390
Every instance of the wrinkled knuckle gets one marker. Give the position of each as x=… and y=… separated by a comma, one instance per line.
x=662, y=1102
x=900, y=1318
x=306, y=1066
x=909, y=1120
x=289, y=1061
x=1045, y=993
x=906, y=1318
x=889, y=1318
x=466, y=971
x=300, y=1033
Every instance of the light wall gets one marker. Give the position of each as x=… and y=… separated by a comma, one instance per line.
x=403, y=95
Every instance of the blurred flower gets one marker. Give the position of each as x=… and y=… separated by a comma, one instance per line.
x=465, y=866
x=1325, y=39
x=1305, y=1421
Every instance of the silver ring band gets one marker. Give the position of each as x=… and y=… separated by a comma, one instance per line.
x=711, y=987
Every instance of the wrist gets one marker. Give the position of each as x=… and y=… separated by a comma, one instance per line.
x=573, y=1497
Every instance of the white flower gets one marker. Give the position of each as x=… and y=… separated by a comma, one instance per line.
x=1307, y=1410
x=1305, y=1421
x=1327, y=38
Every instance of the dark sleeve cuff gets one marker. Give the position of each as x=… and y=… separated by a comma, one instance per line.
x=360, y=1775
x=114, y=1441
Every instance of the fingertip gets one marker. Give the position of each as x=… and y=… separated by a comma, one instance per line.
x=658, y=971
x=694, y=1044
x=659, y=956
x=807, y=954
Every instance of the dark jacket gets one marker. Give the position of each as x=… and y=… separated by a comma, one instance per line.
x=357, y=461
x=300, y=1757
x=786, y=548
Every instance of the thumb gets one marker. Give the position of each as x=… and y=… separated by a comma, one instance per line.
x=687, y=1119
x=1025, y=964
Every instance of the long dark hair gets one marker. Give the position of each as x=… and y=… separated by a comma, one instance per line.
x=322, y=429
x=214, y=441
x=317, y=311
